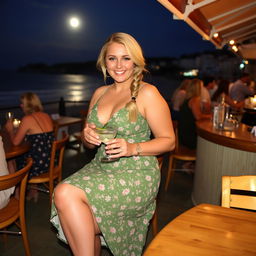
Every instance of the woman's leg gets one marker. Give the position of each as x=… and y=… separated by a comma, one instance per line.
x=77, y=220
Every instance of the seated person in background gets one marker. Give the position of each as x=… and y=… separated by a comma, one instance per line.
x=207, y=84
x=222, y=91
x=190, y=112
x=4, y=194
x=240, y=89
x=36, y=127
x=178, y=98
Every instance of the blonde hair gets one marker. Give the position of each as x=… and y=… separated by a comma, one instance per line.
x=194, y=88
x=31, y=103
x=136, y=54
x=183, y=86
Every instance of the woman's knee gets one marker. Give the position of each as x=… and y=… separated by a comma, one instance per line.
x=62, y=195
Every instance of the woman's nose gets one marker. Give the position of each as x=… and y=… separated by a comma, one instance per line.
x=119, y=63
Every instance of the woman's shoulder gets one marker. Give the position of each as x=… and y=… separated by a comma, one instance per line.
x=27, y=118
x=37, y=115
x=149, y=96
x=148, y=89
x=99, y=92
x=195, y=99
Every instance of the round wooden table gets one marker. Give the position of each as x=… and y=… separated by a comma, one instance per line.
x=12, y=151
x=207, y=230
x=221, y=153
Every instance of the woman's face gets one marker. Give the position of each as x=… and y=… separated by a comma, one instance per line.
x=118, y=63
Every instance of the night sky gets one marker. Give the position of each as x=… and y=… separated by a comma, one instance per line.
x=34, y=31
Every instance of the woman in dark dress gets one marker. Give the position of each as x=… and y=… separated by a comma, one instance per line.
x=190, y=112
x=37, y=128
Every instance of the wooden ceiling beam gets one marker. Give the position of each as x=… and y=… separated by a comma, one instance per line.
x=235, y=23
x=179, y=4
x=190, y=7
x=240, y=9
x=238, y=30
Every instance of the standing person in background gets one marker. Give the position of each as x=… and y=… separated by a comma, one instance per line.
x=240, y=88
x=208, y=85
x=4, y=194
x=36, y=127
x=190, y=112
x=178, y=98
x=117, y=199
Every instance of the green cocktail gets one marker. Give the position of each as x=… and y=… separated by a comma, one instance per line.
x=106, y=134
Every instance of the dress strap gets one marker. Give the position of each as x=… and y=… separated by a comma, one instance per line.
x=37, y=122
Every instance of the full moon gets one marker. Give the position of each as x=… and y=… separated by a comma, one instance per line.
x=74, y=22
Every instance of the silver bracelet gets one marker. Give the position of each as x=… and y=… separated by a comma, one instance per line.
x=138, y=149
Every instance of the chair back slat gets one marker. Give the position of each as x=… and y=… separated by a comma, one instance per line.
x=237, y=191
x=243, y=201
x=247, y=182
x=57, y=155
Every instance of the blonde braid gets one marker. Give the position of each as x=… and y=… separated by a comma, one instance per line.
x=131, y=106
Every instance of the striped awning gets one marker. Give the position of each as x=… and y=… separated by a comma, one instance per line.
x=223, y=22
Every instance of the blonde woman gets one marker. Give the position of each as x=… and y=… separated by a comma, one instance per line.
x=36, y=127
x=117, y=199
x=190, y=112
x=178, y=98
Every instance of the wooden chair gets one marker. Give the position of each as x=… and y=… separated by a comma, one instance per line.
x=14, y=211
x=179, y=153
x=55, y=170
x=78, y=135
x=231, y=197
x=154, y=218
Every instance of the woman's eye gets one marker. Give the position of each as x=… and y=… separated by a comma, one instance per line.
x=127, y=58
x=111, y=58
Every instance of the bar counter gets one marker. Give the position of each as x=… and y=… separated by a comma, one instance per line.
x=221, y=153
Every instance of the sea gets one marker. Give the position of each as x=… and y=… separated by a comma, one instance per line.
x=72, y=87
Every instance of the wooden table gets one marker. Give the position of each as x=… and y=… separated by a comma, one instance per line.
x=11, y=150
x=66, y=121
x=221, y=153
x=63, y=121
x=207, y=230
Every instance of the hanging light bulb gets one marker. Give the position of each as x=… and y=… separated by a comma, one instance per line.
x=234, y=48
x=232, y=42
x=215, y=35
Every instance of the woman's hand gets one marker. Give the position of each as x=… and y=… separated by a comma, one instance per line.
x=9, y=126
x=90, y=136
x=119, y=147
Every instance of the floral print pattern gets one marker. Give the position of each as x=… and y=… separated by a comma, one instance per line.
x=40, y=152
x=121, y=193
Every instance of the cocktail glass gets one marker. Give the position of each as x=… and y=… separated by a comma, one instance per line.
x=106, y=134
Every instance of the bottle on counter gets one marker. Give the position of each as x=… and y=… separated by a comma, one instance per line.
x=221, y=113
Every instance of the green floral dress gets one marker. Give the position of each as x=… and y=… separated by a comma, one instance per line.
x=121, y=193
